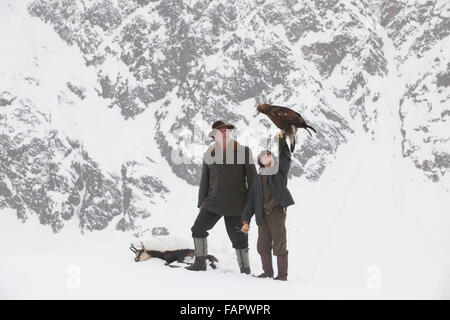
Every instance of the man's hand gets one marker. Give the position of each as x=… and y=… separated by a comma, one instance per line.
x=245, y=227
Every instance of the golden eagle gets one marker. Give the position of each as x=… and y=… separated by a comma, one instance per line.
x=286, y=119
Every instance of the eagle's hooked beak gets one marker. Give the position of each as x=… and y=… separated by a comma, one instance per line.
x=258, y=111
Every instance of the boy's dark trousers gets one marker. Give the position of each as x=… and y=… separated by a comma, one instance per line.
x=272, y=235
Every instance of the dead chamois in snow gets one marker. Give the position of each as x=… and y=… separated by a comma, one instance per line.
x=169, y=256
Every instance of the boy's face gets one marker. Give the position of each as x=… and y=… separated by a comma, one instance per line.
x=267, y=159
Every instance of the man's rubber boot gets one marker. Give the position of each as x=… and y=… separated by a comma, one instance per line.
x=201, y=251
x=243, y=260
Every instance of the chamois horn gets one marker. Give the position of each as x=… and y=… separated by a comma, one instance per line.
x=133, y=249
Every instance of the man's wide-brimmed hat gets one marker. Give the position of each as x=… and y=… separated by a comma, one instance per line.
x=218, y=125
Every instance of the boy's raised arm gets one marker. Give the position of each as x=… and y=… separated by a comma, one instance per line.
x=284, y=154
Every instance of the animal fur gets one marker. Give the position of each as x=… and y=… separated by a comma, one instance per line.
x=169, y=256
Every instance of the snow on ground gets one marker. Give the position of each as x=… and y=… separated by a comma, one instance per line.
x=69, y=267
x=373, y=227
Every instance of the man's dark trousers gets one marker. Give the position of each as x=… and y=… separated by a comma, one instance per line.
x=206, y=220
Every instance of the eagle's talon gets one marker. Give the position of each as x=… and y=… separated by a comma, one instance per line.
x=281, y=134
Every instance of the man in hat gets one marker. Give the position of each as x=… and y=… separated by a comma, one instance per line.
x=227, y=175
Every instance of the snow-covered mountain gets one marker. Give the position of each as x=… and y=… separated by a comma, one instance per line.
x=420, y=35
x=95, y=95
x=181, y=65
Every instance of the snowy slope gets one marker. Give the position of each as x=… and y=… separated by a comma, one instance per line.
x=94, y=95
x=359, y=219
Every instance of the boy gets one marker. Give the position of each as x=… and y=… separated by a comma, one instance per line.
x=268, y=200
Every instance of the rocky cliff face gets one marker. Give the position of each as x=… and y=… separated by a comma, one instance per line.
x=189, y=63
x=46, y=173
x=201, y=61
x=419, y=31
